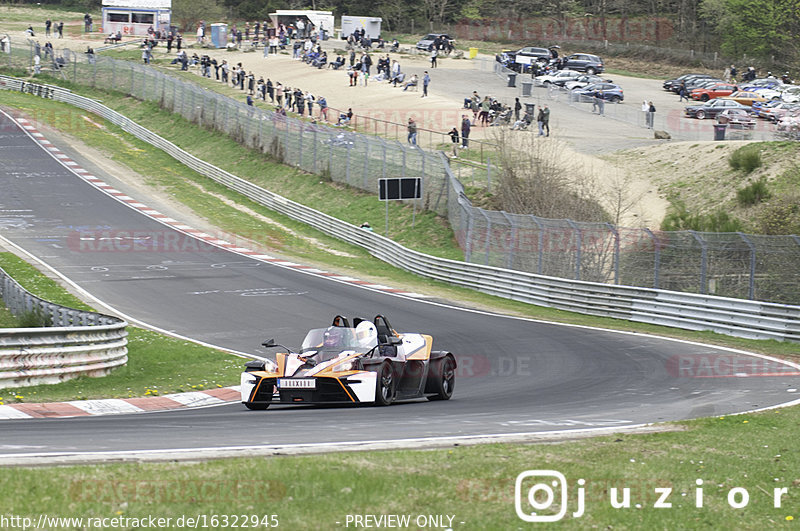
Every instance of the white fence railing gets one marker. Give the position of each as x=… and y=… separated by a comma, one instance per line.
x=750, y=319
x=74, y=342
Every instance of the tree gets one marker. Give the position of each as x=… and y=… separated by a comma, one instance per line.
x=187, y=13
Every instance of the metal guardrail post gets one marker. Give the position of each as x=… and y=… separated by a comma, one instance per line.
x=614, y=230
x=513, y=243
x=540, y=244
x=752, y=280
x=656, y=258
x=578, y=248
x=703, y=260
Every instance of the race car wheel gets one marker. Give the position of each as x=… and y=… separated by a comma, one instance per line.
x=384, y=390
x=256, y=406
x=445, y=379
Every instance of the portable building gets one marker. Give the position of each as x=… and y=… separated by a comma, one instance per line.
x=371, y=25
x=135, y=17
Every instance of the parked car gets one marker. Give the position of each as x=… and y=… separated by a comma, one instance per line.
x=675, y=84
x=712, y=108
x=426, y=43
x=583, y=62
x=560, y=75
x=581, y=81
x=714, y=90
x=789, y=123
x=736, y=119
x=699, y=82
x=610, y=91
x=524, y=57
x=779, y=110
x=762, y=109
x=790, y=93
x=746, y=98
x=765, y=82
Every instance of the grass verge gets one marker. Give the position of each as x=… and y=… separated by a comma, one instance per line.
x=157, y=364
x=166, y=176
x=475, y=485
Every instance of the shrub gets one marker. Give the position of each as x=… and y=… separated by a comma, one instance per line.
x=754, y=193
x=718, y=221
x=781, y=216
x=746, y=158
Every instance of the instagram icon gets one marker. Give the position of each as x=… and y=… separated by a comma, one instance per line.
x=542, y=494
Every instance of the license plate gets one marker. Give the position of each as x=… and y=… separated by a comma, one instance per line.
x=297, y=383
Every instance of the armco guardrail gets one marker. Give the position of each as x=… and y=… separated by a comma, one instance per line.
x=736, y=317
x=78, y=343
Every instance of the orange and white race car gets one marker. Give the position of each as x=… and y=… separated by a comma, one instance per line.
x=366, y=363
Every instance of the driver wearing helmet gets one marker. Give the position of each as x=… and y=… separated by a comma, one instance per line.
x=333, y=337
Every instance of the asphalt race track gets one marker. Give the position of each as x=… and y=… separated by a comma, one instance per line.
x=516, y=376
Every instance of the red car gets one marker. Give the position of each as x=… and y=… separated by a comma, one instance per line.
x=714, y=91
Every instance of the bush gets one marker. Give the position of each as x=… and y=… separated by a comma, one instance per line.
x=754, y=193
x=781, y=216
x=746, y=158
x=681, y=219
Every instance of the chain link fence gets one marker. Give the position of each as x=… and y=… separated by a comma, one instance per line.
x=728, y=264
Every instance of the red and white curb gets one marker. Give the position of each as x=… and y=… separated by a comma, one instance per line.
x=117, y=406
x=73, y=166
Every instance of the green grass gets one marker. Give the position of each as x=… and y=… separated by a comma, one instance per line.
x=474, y=484
x=156, y=363
x=628, y=73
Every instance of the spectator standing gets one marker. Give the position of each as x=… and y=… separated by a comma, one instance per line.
x=310, y=103
x=323, y=108
x=47, y=25
x=517, y=108
x=454, y=139
x=61, y=30
x=37, y=65
x=279, y=95
x=645, y=110
x=434, y=55
x=484, y=115
x=682, y=92
x=412, y=132
x=465, y=127
x=651, y=114
x=601, y=103
x=733, y=73
x=543, y=120
x=426, y=79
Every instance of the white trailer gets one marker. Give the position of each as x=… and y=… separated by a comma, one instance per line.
x=371, y=25
x=135, y=17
